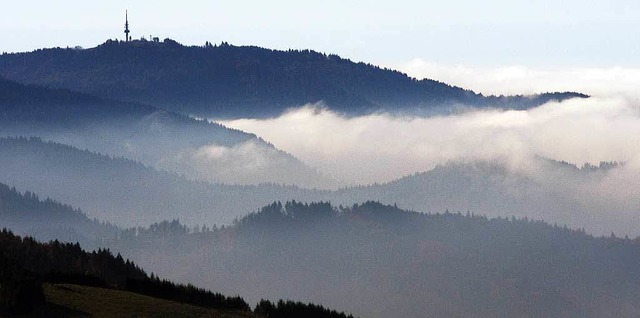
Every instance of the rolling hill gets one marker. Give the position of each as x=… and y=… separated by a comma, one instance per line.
x=542, y=189
x=65, y=300
x=446, y=264
x=62, y=280
x=169, y=141
x=227, y=81
x=441, y=264
x=46, y=219
x=125, y=192
x=422, y=265
x=139, y=194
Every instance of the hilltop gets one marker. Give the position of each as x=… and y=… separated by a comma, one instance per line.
x=159, y=138
x=229, y=81
x=557, y=192
x=422, y=265
x=126, y=192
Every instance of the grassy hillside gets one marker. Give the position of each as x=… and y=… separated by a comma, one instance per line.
x=25, y=264
x=76, y=300
x=64, y=300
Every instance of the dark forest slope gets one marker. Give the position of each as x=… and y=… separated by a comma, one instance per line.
x=31, y=109
x=30, y=104
x=61, y=279
x=26, y=263
x=229, y=81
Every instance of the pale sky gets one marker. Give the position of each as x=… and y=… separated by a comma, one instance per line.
x=489, y=33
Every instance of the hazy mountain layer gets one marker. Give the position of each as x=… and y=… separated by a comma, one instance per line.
x=25, y=264
x=47, y=219
x=243, y=82
x=421, y=264
x=165, y=140
x=539, y=188
x=380, y=261
x=126, y=192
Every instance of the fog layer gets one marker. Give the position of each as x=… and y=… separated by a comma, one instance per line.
x=519, y=79
x=380, y=148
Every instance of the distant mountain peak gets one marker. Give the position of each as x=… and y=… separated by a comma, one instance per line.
x=226, y=81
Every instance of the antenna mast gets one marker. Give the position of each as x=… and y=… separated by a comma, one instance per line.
x=126, y=26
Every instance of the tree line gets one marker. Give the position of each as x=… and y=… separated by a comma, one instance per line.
x=25, y=264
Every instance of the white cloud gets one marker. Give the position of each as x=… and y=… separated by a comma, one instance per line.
x=383, y=147
x=517, y=79
x=380, y=147
x=249, y=162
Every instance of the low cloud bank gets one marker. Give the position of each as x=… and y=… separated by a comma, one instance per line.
x=381, y=147
x=518, y=79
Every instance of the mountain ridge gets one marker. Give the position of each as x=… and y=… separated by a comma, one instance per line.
x=150, y=195
x=434, y=265
x=160, y=138
x=552, y=194
x=229, y=81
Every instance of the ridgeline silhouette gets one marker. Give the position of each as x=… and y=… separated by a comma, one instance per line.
x=229, y=81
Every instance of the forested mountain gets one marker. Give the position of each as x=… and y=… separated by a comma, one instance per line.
x=230, y=82
x=380, y=261
x=34, y=107
x=125, y=192
x=137, y=194
x=27, y=214
x=423, y=264
x=165, y=140
x=539, y=188
x=26, y=263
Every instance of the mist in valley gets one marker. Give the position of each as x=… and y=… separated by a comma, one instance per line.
x=494, y=191
x=317, y=160
x=490, y=162
x=155, y=137
x=575, y=162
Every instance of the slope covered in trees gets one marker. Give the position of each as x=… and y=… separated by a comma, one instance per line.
x=449, y=264
x=79, y=283
x=556, y=192
x=538, y=188
x=55, y=262
x=227, y=81
x=26, y=213
x=125, y=192
x=39, y=106
x=426, y=265
x=156, y=137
